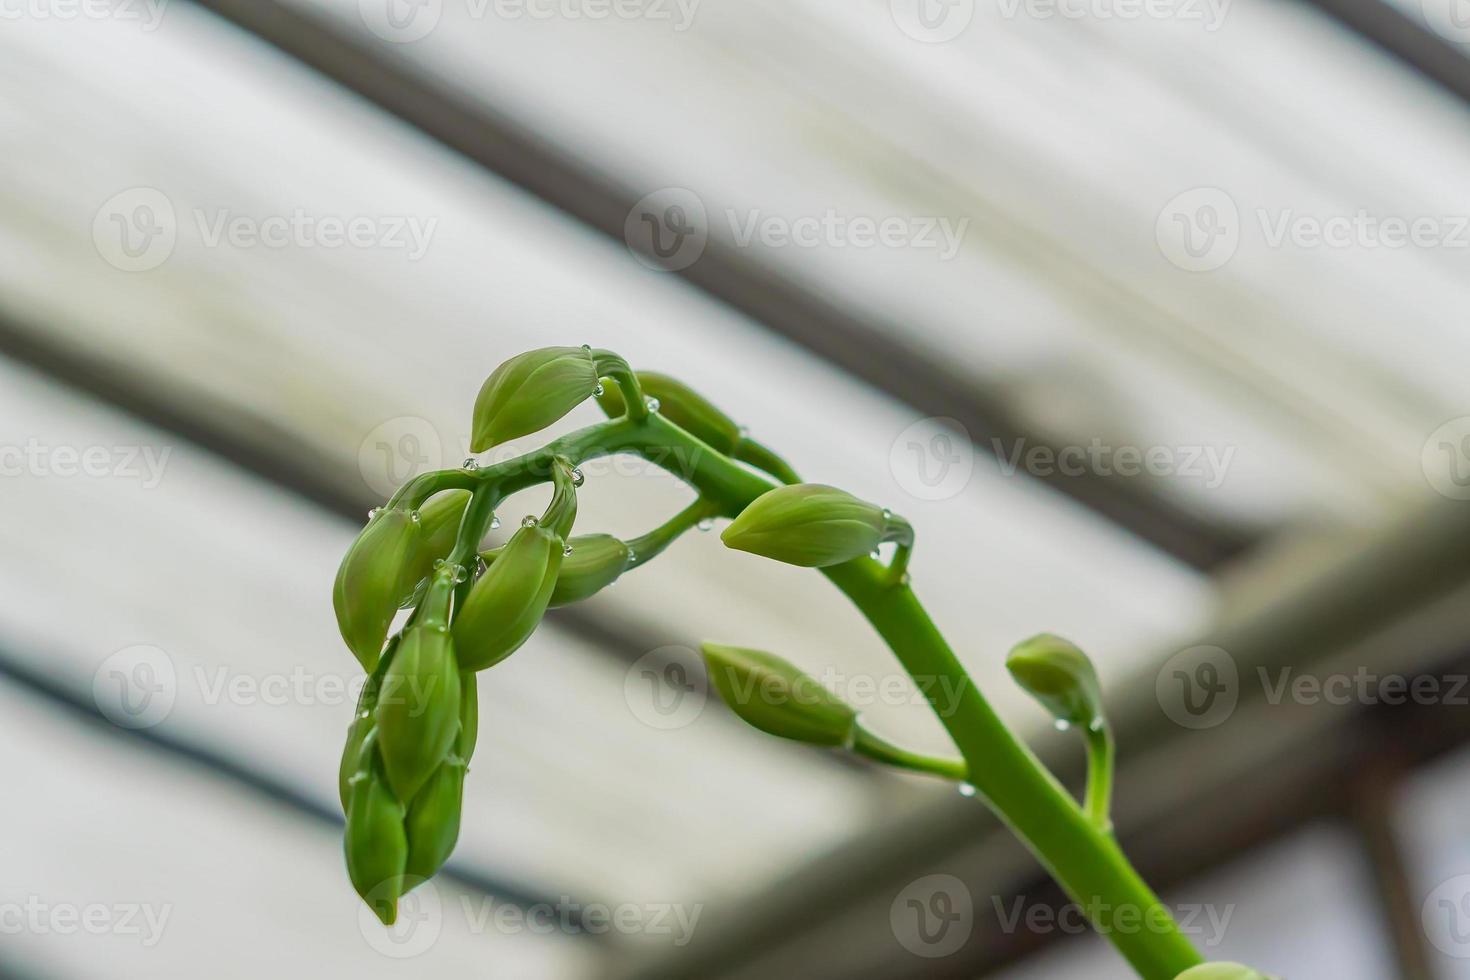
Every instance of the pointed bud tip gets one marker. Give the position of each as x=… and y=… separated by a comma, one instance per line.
x=777, y=697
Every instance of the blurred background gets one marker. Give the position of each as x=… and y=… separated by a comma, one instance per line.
x=1149, y=317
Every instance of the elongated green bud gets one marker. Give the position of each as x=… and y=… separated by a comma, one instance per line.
x=371, y=581
x=775, y=696
x=362, y=725
x=375, y=843
x=439, y=521
x=432, y=825
x=506, y=605
x=469, y=715
x=808, y=524
x=418, y=707
x=1221, y=971
x=1059, y=675
x=529, y=392
x=595, y=563
x=683, y=406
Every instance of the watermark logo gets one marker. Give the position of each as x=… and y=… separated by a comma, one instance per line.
x=148, y=13
x=1205, y=464
x=136, y=230
x=398, y=450
x=401, y=21
x=933, y=917
x=1198, y=687
x=932, y=21
x=1445, y=915
x=1206, y=923
x=667, y=688
x=1210, y=14
x=668, y=229
x=37, y=917
x=136, y=687
x=932, y=459
x=1199, y=230
x=144, y=464
x=417, y=927
x=1445, y=459
x=1450, y=19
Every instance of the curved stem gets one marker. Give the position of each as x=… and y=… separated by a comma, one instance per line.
x=881, y=750
x=765, y=459
x=652, y=544
x=1099, y=800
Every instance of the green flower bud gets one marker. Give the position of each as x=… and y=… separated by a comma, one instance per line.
x=469, y=714
x=375, y=843
x=595, y=563
x=682, y=406
x=439, y=521
x=777, y=697
x=505, y=606
x=529, y=392
x=362, y=725
x=433, y=820
x=418, y=707
x=1221, y=971
x=1059, y=675
x=372, y=580
x=807, y=524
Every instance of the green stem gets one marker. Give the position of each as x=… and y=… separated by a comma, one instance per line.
x=881, y=750
x=648, y=546
x=1099, y=800
x=610, y=365
x=765, y=459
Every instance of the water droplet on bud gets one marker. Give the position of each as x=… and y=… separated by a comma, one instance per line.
x=566, y=552
x=651, y=403
x=1062, y=724
x=528, y=521
x=705, y=523
x=470, y=464
x=374, y=512
x=632, y=556
x=587, y=347
x=967, y=790
x=416, y=517
x=578, y=477
x=494, y=521
x=598, y=390
x=887, y=514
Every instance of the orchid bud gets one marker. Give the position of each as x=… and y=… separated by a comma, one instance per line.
x=1059, y=675
x=418, y=707
x=777, y=697
x=506, y=604
x=371, y=581
x=375, y=843
x=682, y=406
x=807, y=524
x=362, y=725
x=1221, y=971
x=595, y=563
x=529, y=392
x=439, y=521
x=432, y=825
x=469, y=715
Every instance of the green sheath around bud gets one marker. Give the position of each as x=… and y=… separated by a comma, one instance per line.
x=529, y=392
x=371, y=581
x=807, y=524
x=1059, y=675
x=506, y=605
x=1221, y=971
x=682, y=406
x=375, y=843
x=418, y=708
x=433, y=820
x=469, y=715
x=439, y=521
x=777, y=697
x=595, y=563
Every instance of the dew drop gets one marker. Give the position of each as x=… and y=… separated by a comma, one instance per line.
x=652, y=403
x=566, y=552
x=632, y=556
x=1061, y=724
x=587, y=347
x=967, y=790
x=528, y=521
x=460, y=573
x=417, y=517
x=374, y=512
x=494, y=521
x=887, y=514
x=705, y=523
x=578, y=477
x=875, y=554
x=598, y=391
x=470, y=464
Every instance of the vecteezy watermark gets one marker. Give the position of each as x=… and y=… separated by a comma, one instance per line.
x=932, y=21
x=399, y=449
x=136, y=687
x=406, y=21
x=667, y=688
x=422, y=911
x=1450, y=19
x=1205, y=923
x=932, y=459
x=138, y=229
x=1201, y=230
x=1198, y=687
x=1445, y=916
x=1210, y=14
x=669, y=230
x=36, y=916
x=859, y=691
x=146, y=13
x=933, y=917
x=1207, y=464
x=144, y=464
x=1445, y=459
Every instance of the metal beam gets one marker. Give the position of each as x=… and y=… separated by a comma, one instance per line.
x=860, y=342
x=1405, y=38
